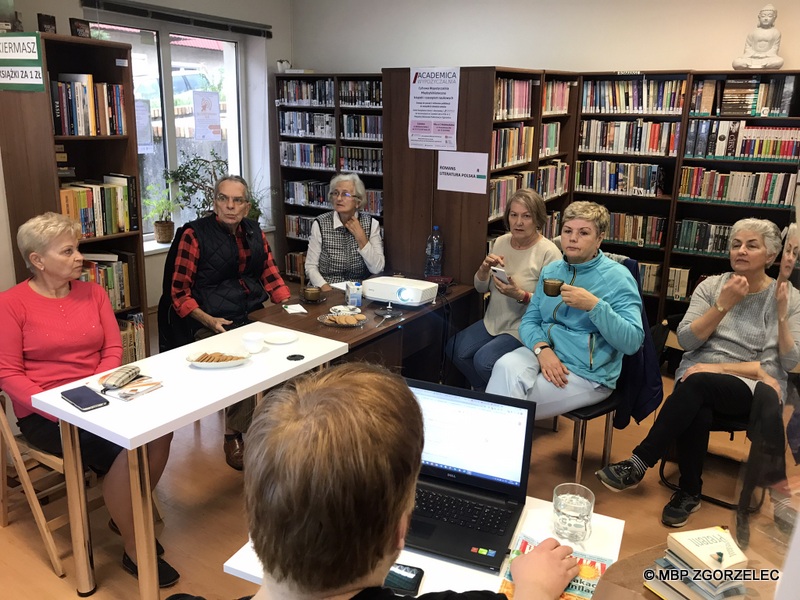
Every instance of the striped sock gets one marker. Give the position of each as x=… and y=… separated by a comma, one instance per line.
x=638, y=466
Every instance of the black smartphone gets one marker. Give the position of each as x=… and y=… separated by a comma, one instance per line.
x=83, y=398
x=404, y=579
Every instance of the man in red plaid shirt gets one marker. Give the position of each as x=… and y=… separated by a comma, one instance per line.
x=223, y=271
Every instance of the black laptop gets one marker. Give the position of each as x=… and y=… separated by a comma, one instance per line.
x=474, y=477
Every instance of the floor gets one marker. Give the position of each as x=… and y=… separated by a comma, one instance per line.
x=203, y=523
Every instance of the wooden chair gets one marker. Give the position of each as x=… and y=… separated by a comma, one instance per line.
x=36, y=475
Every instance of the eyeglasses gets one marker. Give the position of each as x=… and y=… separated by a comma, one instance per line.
x=223, y=199
x=338, y=194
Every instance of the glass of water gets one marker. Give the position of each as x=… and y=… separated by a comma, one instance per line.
x=573, y=504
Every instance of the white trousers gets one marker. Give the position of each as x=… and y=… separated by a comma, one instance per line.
x=517, y=375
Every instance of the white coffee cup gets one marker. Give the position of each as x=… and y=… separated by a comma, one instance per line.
x=253, y=342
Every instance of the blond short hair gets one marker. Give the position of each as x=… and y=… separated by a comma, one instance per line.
x=533, y=203
x=37, y=233
x=589, y=211
x=330, y=468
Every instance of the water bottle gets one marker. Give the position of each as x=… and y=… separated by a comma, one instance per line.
x=434, y=253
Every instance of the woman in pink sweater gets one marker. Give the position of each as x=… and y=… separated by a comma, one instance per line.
x=56, y=330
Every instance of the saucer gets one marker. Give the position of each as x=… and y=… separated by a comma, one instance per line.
x=320, y=301
x=343, y=309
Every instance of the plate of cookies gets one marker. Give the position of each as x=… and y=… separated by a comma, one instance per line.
x=342, y=320
x=217, y=360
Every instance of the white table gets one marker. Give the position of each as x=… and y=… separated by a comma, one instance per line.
x=188, y=394
x=444, y=574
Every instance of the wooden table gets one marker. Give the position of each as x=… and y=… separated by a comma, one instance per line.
x=412, y=343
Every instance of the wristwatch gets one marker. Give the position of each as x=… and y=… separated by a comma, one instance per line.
x=538, y=351
x=720, y=308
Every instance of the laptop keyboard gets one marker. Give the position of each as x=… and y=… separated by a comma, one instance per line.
x=465, y=513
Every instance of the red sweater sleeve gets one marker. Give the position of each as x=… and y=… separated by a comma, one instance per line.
x=271, y=277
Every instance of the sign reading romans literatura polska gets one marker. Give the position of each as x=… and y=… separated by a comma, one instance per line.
x=21, y=62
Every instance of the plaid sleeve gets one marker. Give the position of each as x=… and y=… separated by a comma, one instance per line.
x=183, y=275
x=271, y=277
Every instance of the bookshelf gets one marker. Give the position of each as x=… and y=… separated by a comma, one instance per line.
x=740, y=159
x=627, y=145
x=327, y=124
x=37, y=162
x=523, y=120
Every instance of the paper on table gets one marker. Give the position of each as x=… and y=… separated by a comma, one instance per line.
x=295, y=309
x=341, y=286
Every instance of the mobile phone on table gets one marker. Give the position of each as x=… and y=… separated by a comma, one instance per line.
x=404, y=579
x=500, y=273
x=83, y=398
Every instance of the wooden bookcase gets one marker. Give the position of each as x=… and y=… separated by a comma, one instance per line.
x=28, y=147
x=728, y=179
x=484, y=123
x=327, y=124
x=627, y=146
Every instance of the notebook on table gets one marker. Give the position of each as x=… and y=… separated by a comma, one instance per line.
x=474, y=478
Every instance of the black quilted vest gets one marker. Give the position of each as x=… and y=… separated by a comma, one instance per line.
x=218, y=285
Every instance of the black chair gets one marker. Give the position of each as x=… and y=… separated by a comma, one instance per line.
x=581, y=417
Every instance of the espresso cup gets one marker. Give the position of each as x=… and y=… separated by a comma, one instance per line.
x=552, y=287
x=311, y=294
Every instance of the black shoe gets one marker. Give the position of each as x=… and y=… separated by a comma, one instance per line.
x=167, y=576
x=234, y=452
x=619, y=476
x=113, y=527
x=681, y=505
x=182, y=596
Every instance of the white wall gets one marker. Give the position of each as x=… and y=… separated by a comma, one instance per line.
x=579, y=35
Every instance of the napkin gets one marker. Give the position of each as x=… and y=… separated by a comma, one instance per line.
x=295, y=309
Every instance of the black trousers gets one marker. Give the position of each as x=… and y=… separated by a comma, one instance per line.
x=686, y=418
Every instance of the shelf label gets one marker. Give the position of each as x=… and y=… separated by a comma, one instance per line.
x=21, y=62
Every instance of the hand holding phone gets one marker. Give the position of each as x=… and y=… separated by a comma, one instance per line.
x=83, y=398
x=500, y=273
x=404, y=579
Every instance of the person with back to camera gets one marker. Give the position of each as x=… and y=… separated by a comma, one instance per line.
x=522, y=252
x=223, y=271
x=56, y=330
x=575, y=338
x=741, y=334
x=345, y=244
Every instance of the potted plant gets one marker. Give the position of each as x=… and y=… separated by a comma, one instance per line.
x=162, y=206
x=195, y=179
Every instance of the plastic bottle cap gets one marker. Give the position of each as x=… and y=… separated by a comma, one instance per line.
x=436, y=228
x=358, y=284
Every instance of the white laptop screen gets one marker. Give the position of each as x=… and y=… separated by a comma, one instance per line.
x=473, y=437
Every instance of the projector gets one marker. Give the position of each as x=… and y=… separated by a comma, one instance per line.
x=408, y=292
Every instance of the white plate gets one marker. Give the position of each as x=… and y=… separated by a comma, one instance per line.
x=343, y=309
x=242, y=358
x=280, y=337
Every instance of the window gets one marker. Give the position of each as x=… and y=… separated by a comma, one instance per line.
x=197, y=77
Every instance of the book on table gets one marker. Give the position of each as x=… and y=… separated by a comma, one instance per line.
x=140, y=386
x=708, y=548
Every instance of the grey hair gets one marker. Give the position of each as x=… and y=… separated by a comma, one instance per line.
x=236, y=179
x=768, y=231
x=589, y=211
x=37, y=233
x=791, y=232
x=358, y=186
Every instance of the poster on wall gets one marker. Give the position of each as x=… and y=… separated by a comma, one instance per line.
x=463, y=172
x=21, y=62
x=433, y=108
x=207, y=122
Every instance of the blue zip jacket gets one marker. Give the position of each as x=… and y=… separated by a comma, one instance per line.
x=589, y=344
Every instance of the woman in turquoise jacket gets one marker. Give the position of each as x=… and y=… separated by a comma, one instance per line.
x=575, y=340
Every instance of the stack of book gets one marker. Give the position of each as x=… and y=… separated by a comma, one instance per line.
x=709, y=551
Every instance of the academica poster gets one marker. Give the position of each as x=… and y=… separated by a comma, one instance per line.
x=433, y=108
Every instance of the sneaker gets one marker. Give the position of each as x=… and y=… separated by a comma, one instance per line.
x=620, y=476
x=681, y=505
x=167, y=575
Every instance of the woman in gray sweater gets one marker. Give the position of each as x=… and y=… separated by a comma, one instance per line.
x=741, y=335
